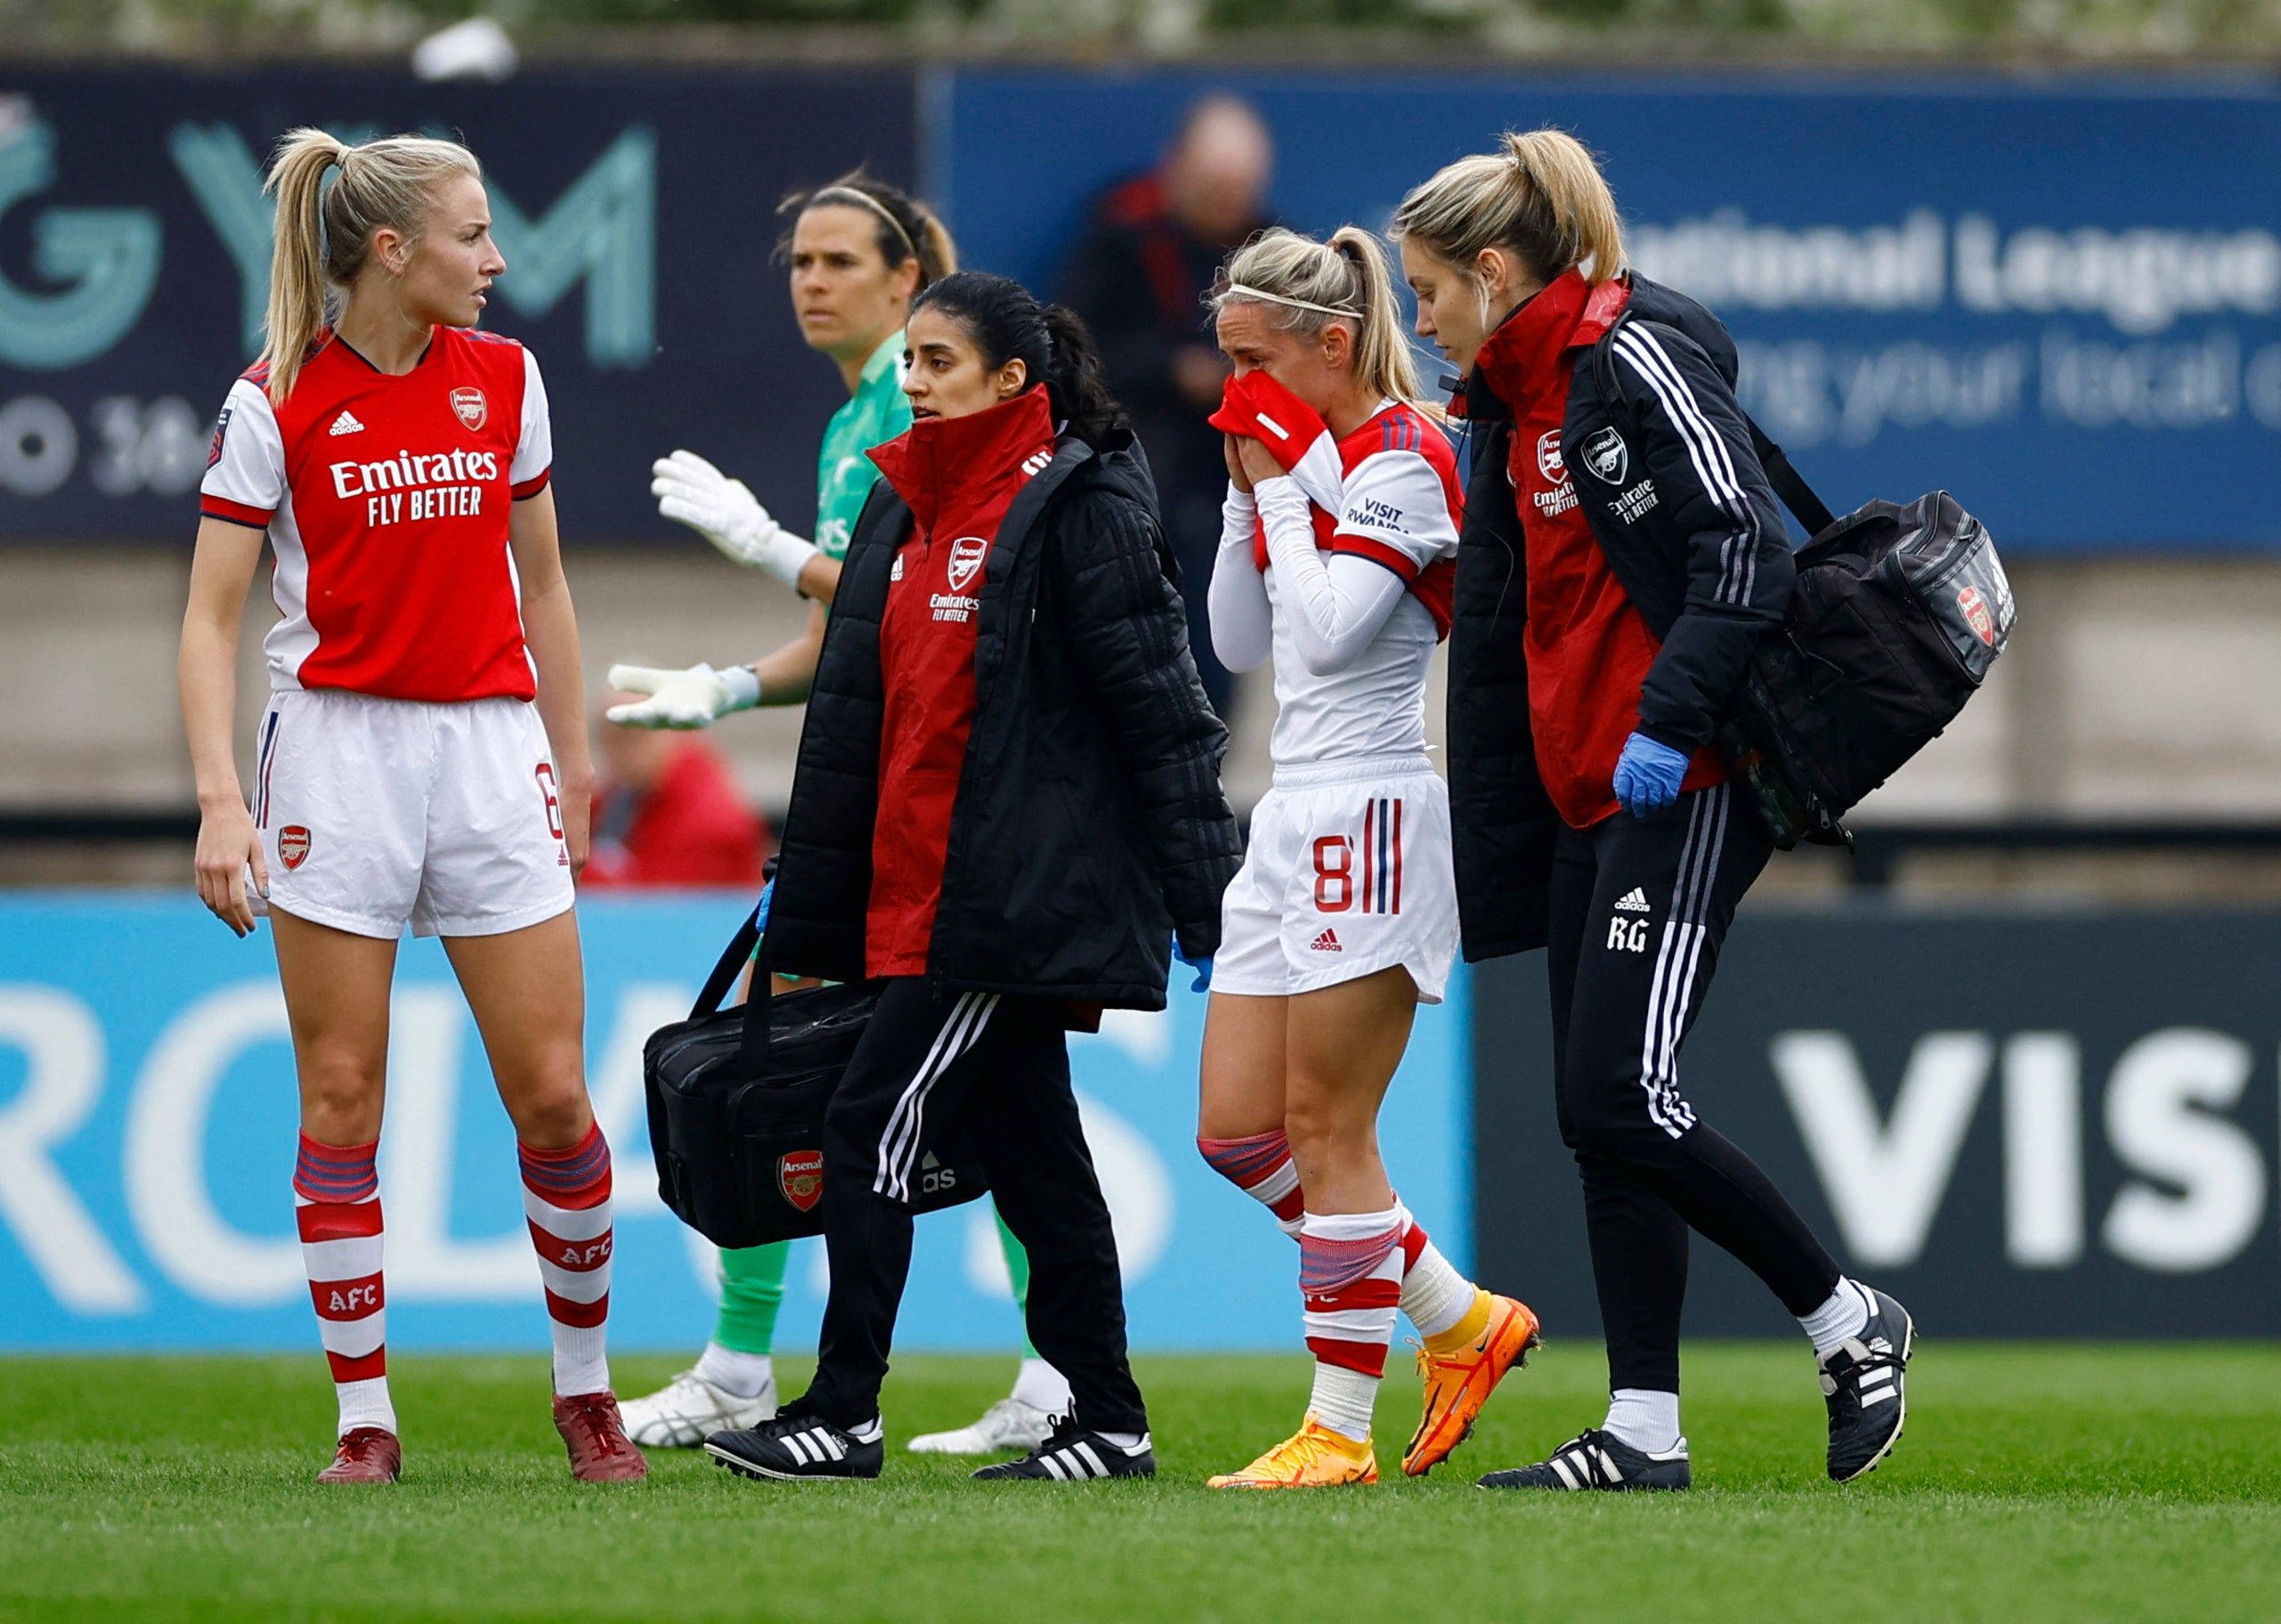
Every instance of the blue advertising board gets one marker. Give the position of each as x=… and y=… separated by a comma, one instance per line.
x=146, y=1123
x=2059, y=299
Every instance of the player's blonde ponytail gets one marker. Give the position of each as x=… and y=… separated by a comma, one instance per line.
x=1310, y=285
x=324, y=237
x=1541, y=198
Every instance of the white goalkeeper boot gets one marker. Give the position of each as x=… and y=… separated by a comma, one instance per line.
x=687, y=1410
x=1020, y=1422
x=1008, y=1425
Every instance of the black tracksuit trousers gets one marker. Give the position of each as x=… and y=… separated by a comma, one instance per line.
x=998, y=1066
x=1639, y=908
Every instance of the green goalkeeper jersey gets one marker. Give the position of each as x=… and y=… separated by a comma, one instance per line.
x=876, y=413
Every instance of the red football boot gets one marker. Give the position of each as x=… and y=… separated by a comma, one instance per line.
x=600, y=1452
x=366, y=1455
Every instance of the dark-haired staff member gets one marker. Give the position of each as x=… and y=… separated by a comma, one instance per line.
x=1620, y=559
x=1008, y=801
x=858, y=251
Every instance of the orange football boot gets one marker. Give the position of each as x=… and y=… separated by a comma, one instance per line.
x=1459, y=1383
x=1312, y=1458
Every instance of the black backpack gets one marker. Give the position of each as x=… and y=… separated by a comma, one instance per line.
x=1898, y=614
x=736, y=1107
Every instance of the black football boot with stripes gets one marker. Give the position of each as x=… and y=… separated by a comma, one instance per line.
x=1864, y=1383
x=796, y=1445
x=1073, y=1454
x=1594, y=1459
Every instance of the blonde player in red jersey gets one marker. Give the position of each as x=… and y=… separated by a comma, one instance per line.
x=423, y=757
x=1336, y=561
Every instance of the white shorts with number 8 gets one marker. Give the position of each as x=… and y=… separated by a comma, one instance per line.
x=374, y=813
x=1349, y=874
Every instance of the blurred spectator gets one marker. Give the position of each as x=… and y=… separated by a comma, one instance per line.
x=668, y=811
x=1139, y=277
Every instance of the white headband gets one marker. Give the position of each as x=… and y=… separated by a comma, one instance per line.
x=1241, y=290
x=852, y=194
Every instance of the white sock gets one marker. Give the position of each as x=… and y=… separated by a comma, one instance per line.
x=1042, y=1387
x=581, y=1363
x=1125, y=1441
x=365, y=1403
x=741, y=1375
x=1343, y=1400
x=1845, y=1314
x=1644, y=1418
x=1434, y=1295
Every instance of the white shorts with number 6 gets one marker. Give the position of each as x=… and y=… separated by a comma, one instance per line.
x=1348, y=873
x=376, y=813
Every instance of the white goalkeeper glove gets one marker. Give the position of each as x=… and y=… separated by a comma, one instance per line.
x=692, y=491
x=693, y=698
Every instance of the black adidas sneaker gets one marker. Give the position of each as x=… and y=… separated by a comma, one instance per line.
x=1072, y=1454
x=1594, y=1459
x=1862, y=1383
x=797, y=1444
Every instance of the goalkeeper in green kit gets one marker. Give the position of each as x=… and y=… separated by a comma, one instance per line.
x=859, y=251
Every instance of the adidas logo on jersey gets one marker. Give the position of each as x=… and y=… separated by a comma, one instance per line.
x=1327, y=942
x=1634, y=901
x=345, y=424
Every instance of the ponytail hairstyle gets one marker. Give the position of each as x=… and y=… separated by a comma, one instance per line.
x=1006, y=323
x=906, y=228
x=1542, y=198
x=1310, y=285
x=324, y=236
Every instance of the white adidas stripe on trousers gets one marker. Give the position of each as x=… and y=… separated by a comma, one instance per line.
x=1708, y=451
x=898, y=1146
x=1678, y=958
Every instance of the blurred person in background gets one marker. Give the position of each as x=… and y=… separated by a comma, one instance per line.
x=858, y=251
x=423, y=758
x=1340, y=526
x=1007, y=806
x=669, y=812
x=1140, y=276
x=1593, y=813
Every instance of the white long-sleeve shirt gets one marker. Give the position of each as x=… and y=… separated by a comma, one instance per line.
x=1350, y=638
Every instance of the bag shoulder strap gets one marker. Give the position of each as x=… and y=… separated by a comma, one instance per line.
x=732, y=960
x=1787, y=482
x=753, y=1041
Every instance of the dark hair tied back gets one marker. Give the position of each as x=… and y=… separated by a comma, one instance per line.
x=1006, y=323
x=902, y=227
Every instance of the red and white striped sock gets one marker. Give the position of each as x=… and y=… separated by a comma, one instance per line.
x=566, y=1198
x=337, y=1208
x=1261, y=1166
x=1350, y=1275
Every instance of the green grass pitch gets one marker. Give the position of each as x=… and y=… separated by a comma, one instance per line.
x=2035, y=1482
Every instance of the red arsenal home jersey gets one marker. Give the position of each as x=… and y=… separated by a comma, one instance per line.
x=386, y=500
x=960, y=475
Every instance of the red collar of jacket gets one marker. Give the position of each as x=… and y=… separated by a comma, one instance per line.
x=1522, y=360
x=944, y=462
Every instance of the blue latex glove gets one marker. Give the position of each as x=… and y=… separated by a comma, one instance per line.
x=1201, y=967
x=760, y=913
x=1648, y=774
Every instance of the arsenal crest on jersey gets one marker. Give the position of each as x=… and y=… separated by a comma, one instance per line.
x=292, y=845
x=470, y=408
x=799, y=1174
x=967, y=554
x=1549, y=461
